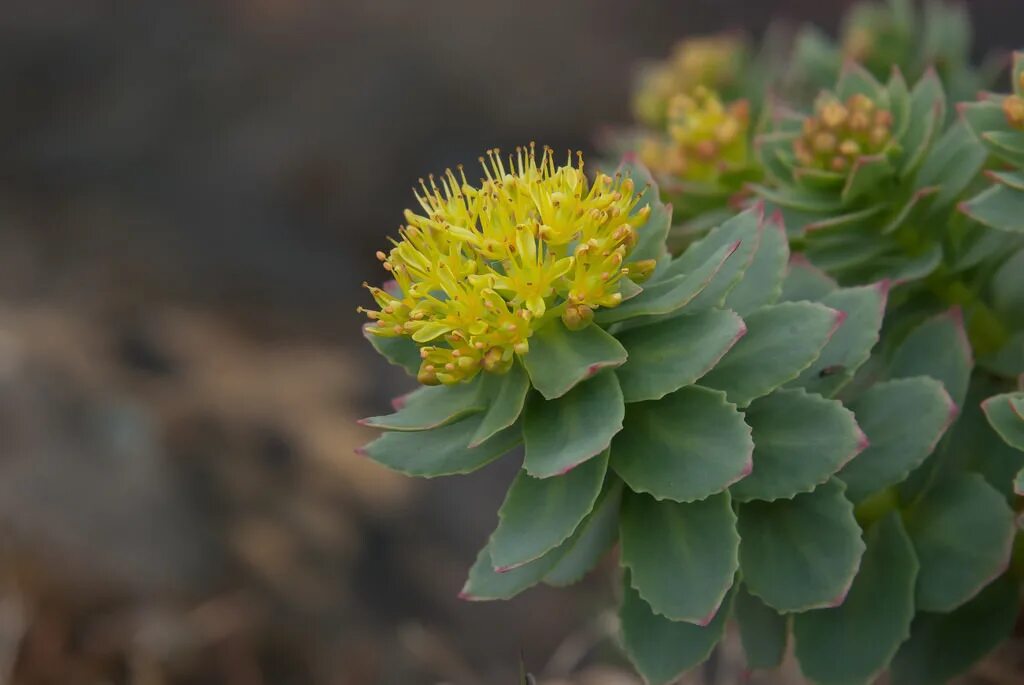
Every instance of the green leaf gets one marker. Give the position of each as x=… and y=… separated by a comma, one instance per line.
x=942, y=646
x=927, y=108
x=952, y=164
x=904, y=420
x=804, y=281
x=681, y=556
x=540, y=514
x=684, y=447
x=433, y=407
x=854, y=642
x=1000, y=207
x=676, y=352
x=800, y=440
x=1008, y=288
x=851, y=345
x=781, y=341
x=667, y=296
x=866, y=175
x=400, y=351
x=938, y=348
x=507, y=393
x=484, y=583
x=1006, y=415
x=855, y=79
x=559, y=359
x=442, y=451
x=562, y=434
x=660, y=649
x=800, y=553
x=983, y=116
x=592, y=539
x=963, y=532
x=762, y=282
x=763, y=631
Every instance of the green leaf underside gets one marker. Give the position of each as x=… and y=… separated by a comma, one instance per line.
x=895, y=450
x=676, y=352
x=400, y=351
x=854, y=642
x=851, y=344
x=559, y=359
x=763, y=631
x=1005, y=418
x=762, y=282
x=540, y=514
x=682, y=557
x=942, y=646
x=800, y=440
x=963, y=532
x=801, y=553
x=781, y=341
x=660, y=649
x=592, y=539
x=937, y=348
x=507, y=394
x=442, y=451
x=562, y=434
x=804, y=281
x=666, y=296
x=684, y=447
x=434, y=406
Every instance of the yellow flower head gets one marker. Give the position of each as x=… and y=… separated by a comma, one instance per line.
x=840, y=133
x=709, y=61
x=706, y=138
x=479, y=268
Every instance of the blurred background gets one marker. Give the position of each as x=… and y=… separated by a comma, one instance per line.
x=190, y=196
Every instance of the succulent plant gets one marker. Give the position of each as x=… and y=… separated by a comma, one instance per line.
x=694, y=420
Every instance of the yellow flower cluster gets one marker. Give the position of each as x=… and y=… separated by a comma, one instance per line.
x=479, y=268
x=705, y=138
x=839, y=133
x=1013, y=106
x=710, y=61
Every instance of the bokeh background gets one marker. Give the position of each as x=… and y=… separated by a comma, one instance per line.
x=190, y=195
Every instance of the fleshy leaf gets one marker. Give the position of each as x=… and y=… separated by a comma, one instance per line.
x=667, y=296
x=781, y=341
x=676, y=352
x=800, y=553
x=800, y=440
x=682, y=557
x=762, y=282
x=442, y=451
x=399, y=350
x=684, y=447
x=1006, y=415
x=653, y=234
x=1000, y=207
x=660, y=649
x=952, y=164
x=942, y=646
x=592, y=539
x=540, y=514
x=804, y=281
x=763, y=631
x=507, y=394
x=559, y=359
x=938, y=348
x=434, y=406
x=882, y=413
x=865, y=176
x=855, y=641
x=851, y=344
x=963, y=532
x=484, y=583
x=562, y=434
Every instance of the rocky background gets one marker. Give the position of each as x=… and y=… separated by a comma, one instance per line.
x=190, y=195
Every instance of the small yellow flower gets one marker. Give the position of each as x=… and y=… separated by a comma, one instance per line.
x=705, y=138
x=1013, y=108
x=839, y=133
x=479, y=268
